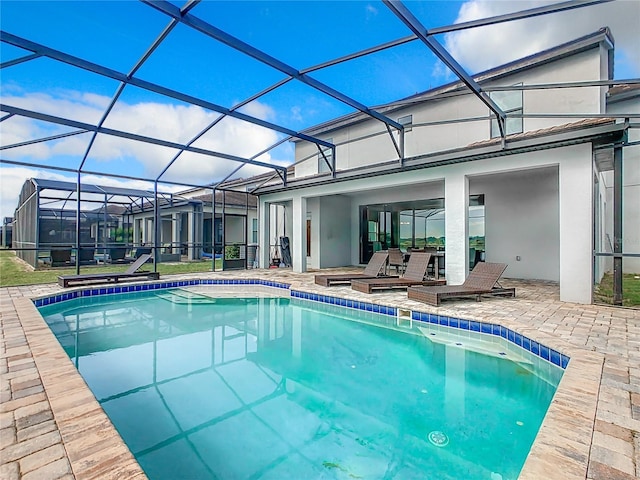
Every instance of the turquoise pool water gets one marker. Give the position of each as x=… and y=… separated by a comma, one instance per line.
x=281, y=388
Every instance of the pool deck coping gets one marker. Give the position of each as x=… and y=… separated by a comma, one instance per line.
x=564, y=447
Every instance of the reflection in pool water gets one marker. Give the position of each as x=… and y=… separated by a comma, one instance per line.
x=232, y=388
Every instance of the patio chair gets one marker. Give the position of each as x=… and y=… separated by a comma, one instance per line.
x=396, y=259
x=483, y=280
x=414, y=275
x=375, y=268
x=130, y=274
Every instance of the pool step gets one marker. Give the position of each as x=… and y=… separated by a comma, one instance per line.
x=493, y=349
x=185, y=297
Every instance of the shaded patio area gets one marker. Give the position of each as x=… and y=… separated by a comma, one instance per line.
x=52, y=426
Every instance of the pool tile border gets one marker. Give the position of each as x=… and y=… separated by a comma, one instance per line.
x=534, y=347
x=144, y=287
x=564, y=443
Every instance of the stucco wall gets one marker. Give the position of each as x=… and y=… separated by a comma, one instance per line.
x=581, y=67
x=334, y=231
x=521, y=220
x=369, y=143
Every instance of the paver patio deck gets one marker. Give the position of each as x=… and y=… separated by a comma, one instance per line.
x=52, y=427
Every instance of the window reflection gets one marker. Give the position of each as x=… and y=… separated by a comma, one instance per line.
x=415, y=225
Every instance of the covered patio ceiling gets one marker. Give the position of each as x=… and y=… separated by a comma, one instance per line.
x=159, y=37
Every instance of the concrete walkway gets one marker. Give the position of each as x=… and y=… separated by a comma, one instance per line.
x=52, y=427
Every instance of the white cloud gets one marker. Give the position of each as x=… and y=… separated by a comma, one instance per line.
x=296, y=113
x=176, y=123
x=11, y=180
x=482, y=48
x=440, y=71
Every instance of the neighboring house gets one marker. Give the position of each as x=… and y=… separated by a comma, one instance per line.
x=7, y=232
x=186, y=223
x=47, y=211
x=46, y=214
x=541, y=199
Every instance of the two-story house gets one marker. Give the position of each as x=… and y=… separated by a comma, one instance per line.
x=542, y=198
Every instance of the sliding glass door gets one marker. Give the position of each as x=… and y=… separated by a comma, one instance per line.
x=416, y=224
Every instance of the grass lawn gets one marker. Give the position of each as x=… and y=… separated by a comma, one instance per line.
x=603, y=292
x=14, y=271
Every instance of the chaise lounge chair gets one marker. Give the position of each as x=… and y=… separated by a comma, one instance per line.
x=139, y=251
x=60, y=257
x=118, y=255
x=483, y=280
x=86, y=256
x=130, y=274
x=374, y=268
x=414, y=274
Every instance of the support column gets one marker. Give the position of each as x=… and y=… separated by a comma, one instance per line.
x=576, y=226
x=143, y=230
x=263, y=234
x=456, y=208
x=191, y=239
x=299, y=236
x=175, y=233
x=617, y=225
x=136, y=230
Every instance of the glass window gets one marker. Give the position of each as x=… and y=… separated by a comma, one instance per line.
x=433, y=223
x=323, y=166
x=254, y=231
x=406, y=230
x=476, y=230
x=406, y=122
x=373, y=231
x=511, y=103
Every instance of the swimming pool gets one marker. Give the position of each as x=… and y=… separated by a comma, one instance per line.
x=202, y=387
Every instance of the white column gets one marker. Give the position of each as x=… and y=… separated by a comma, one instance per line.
x=175, y=233
x=456, y=209
x=143, y=230
x=136, y=230
x=299, y=240
x=263, y=234
x=576, y=227
x=191, y=238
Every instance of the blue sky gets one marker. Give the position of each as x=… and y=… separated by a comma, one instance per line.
x=302, y=34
